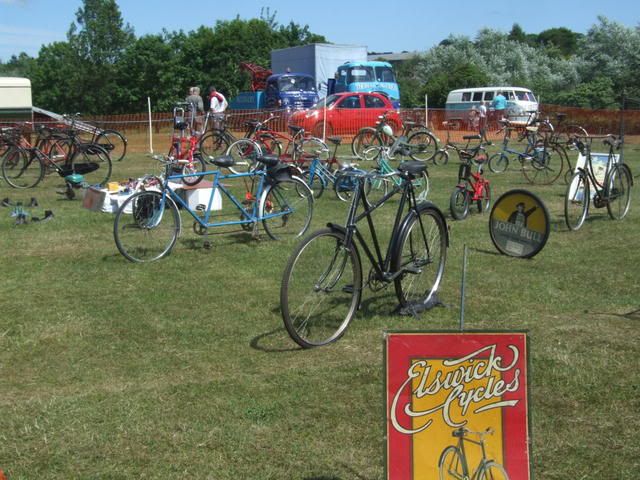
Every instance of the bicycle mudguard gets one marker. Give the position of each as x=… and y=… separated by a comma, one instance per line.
x=278, y=173
x=406, y=220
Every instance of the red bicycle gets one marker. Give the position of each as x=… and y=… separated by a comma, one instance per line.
x=472, y=188
x=184, y=146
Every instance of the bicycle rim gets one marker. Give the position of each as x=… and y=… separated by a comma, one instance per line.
x=423, y=257
x=286, y=209
x=493, y=471
x=21, y=169
x=576, y=201
x=321, y=289
x=618, y=193
x=544, y=167
x=450, y=465
x=146, y=228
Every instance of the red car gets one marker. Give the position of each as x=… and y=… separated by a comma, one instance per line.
x=347, y=113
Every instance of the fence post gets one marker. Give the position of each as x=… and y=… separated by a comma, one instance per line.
x=426, y=110
x=150, y=126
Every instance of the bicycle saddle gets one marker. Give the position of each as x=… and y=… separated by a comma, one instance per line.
x=471, y=137
x=268, y=160
x=335, y=140
x=295, y=128
x=413, y=167
x=223, y=161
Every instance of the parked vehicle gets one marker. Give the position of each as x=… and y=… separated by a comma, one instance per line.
x=367, y=77
x=463, y=101
x=291, y=90
x=346, y=113
x=15, y=100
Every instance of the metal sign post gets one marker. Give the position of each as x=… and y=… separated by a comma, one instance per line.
x=462, y=286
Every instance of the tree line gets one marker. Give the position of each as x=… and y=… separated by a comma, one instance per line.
x=103, y=68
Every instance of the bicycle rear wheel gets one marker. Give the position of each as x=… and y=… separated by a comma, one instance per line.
x=421, y=257
x=450, y=464
x=114, y=143
x=312, y=148
x=365, y=138
x=245, y=153
x=213, y=144
x=441, y=157
x=146, y=227
x=422, y=145
x=286, y=209
x=21, y=168
x=315, y=182
x=191, y=169
x=321, y=289
x=576, y=201
x=545, y=165
x=93, y=163
x=485, y=202
x=421, y=186
x=618, y=192
x=498, y=162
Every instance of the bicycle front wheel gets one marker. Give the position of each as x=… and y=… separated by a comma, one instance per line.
x=114, y=143
x=450, y=464
x=93, y=163
x=146, y=227
x=459, y=203
x=493, y=471
x=441, y=157
x=498, y=162
x=190, y=171
x=321, y=289
x=544, y=166
x=245, y=153
x=310, y=149
x=286, y=209
x=485, y=200
x=421, y=255
x=315, y=182
x=21, y=168
x=422, y=145
x=576, y=201
x=421, y=186
x=364, y=139
x=618, y=192
x=213, y=145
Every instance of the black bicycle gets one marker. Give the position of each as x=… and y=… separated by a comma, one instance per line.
x=323, y=281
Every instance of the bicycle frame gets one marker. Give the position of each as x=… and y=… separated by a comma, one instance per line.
x=463, y=456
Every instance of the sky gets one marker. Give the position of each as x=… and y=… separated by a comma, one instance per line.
x=380, y=25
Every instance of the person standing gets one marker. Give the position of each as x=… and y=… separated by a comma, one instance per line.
x=217, y=105
x=499, y=105
x=197, y=106
x=482, y=112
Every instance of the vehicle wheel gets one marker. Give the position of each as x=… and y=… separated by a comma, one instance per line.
x=269, y=144
x=94, y=164
x=310, y=149
x=485, y=202
x=498, y=162
x=345, y=186
x=493, y=471
x=286, y=208
x=146, y=227
x=58, y=152
x=213, y=145
x=618, y=192
x=459, y=203
x=571, y=134
x=450, y=464
x=321, y=289
x=576, y=201
x=441, y=157
x=319, y=129
x=568, y=174
x=21, y=168
x=379, y=187
x=192, y=169
x=422, y=145
x=315, y=183
x=365, y=138
x=421, y=185
x=545, y=165
x=244, y=153
x=423, y=257
x=114, y=143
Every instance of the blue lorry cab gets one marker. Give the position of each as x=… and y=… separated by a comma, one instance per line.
x=367, y=77
x=292, y=91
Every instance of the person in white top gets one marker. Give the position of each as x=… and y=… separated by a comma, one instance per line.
x=217, y=105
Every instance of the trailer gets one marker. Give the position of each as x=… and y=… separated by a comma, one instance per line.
x=15, y=100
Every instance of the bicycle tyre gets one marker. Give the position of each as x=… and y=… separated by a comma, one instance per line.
x=619, y=188
x=269, y=144
x=21, y=168
x=83, y=159
x=576, y=201
x=213, y=144
x=379, y=187
x=320, y=273
x=148, y=232
x=485, y=202
x=365, y=138
x=493, y=471
x=245, y=153
x=459, y=203
x=441, y=157
x=450, y=464
x=422, y=145
x=426, y=260
x=545, y=165
x=498, y=162
x=344, y=187
x=59, y=152
x=191, y=169
x=312, y=148
x=114, y=143
x=421, y=186
x=316, y=183
x=571, y=134
x=292, y=196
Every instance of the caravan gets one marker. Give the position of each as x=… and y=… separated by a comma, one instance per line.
x=460, y=103
x=15, y=100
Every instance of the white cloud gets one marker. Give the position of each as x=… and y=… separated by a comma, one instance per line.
x=14, y=40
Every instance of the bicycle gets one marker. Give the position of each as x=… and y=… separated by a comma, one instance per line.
x=541, y=161
x=323, y=281
x=468, y=152
x=472, y=188
x=612, y=187
x=423, y=143
x=281, y=202
x=453, y=462
x=111, y=140
x=184, y=147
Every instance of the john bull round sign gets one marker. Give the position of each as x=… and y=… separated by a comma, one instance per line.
x=519, y=224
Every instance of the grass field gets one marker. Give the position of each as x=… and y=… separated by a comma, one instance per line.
x=182, y=368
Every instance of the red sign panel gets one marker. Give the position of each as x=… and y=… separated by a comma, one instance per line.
x=456, y=406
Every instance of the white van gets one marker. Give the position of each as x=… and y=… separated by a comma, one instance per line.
x=15, y=100
x=460, y=102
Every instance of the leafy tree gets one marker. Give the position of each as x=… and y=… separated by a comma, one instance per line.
x=565, y=40
x=17, y=66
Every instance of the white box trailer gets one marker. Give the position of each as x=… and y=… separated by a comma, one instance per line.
x=15, y=100
x=320, y=60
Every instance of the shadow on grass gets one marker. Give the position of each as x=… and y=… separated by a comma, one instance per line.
x=632, y=315
x=352, y=474
x=275, y=341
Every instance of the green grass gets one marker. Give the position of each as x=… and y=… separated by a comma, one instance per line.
x=182, y=368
